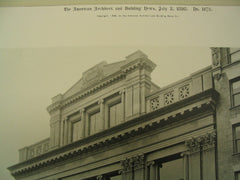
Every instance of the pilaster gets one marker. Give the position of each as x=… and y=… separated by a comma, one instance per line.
x=185, y=156
x=151, y=165
x=55, y=129
x=122, y=93
x=202, y=162
x=102, y=112
x=65, y=131
x=83, y=119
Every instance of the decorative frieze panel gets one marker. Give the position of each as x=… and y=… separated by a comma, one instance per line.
x=169, y=98
x=155, y=103
x=133, y=162
x=184, y=92
x=204, y=142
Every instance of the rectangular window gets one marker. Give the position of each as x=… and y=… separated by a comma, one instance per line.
x=77, y=128
x=235, y=92
x=234, y=54
x=236, y=138
x=115, y=114
x=95, y=123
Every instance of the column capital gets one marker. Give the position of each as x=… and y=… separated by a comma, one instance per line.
x=186, y=153
x=82, y=110
x=122, y=91
x=100, y=177
x=100, y=101
x=151, y=163
x=133, y=162
x=204, y=142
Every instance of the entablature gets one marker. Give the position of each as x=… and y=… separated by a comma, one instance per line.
x=160, y=118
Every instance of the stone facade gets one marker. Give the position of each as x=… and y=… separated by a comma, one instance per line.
x=114, y=123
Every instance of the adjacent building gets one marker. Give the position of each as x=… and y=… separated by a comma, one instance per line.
x=116, y=124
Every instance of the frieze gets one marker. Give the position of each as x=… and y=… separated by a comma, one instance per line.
x=204, y=142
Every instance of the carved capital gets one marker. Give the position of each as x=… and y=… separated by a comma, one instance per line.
x=101, y=101
x=193, y=145
x=186, y=153
x=209, y=141
x=100, y=177
x=138, y=161
x=150, y=163
x=122, y=91
x=65, y=119
x=133, y=162
x=82, y=110
x=127, y=164
x=204, y=142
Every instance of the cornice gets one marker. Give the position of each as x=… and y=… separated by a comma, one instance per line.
x=140, y=62
x=134, y=127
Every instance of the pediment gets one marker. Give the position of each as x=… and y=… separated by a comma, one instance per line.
x=93, y=76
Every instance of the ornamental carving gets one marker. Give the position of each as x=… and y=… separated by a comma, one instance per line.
x=134, y=162
x=93, y=75
x=169, y=98
x=155, y=103
x=184, y=91
x=215, y=56
x=217, y=74
x=204, y=142
x=150, y=163
x=101, y=101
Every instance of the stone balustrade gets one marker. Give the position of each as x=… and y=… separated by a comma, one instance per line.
x=194, y=84
x=34, y=150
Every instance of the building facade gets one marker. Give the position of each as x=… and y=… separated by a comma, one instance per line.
x=116, y=124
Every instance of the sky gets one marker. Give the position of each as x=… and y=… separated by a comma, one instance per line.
x=44, y=51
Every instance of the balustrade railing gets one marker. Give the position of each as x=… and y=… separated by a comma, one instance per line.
x=180, y=90
x=34, y=150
